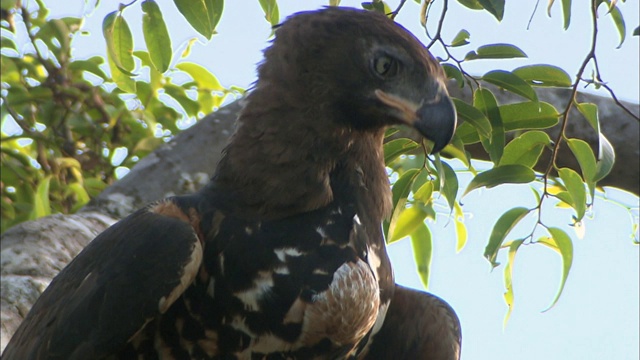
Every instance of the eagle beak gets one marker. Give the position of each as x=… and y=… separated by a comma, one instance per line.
x=434, y=118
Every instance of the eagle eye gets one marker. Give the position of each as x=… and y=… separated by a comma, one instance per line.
x=385, y=66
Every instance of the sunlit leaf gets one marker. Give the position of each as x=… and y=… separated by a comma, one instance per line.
x=461, y=228
x=508, y=278
x=450, y=187
x=573, y=182
x=156, y=36
x=407, y=222
x=271, y=12
x=496, y=51
x=119, y=41
x=425, y=192
x=543, y=75
x=41, y=205
x=400, y=192
x=560, y=242
x=506, y=174
x=618, y=21
x=525, y=149
x=501, y=229
x=587, y=161
x=88, y=66
x=205, y=79
x=202, y=15
x=510, y=82
x=422, y=244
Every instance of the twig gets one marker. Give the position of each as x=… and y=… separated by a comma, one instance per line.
x=397, y=10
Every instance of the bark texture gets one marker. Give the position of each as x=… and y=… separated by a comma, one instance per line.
x=33, y=253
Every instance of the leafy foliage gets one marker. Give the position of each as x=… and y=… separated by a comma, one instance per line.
x=77, y=127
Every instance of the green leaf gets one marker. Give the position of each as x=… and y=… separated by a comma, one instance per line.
x=473, y=116
x=202, y=15
x=496, y=51
x=89, y=66
x=495, y=7
x=590, y=112
x=471, y=4
x=543, y=75
x=501, y=229
x=573, y=182
x=394, y=148
x=408, y=220
x=528, y=115
x=606, y=158
x=400, y=192
x=566, y=11
x=119, y=41
x=636, y=31
x=205, y=79
x=587, y=161
x=422, y=244
x=510, y=82
x=618, y=21
x=122, y=80
x=506, y=174
x=190, y=106
x=560, y=242
x=484, y=100
x=453, y=72
x=41, y=206
x=156, y=36
x=525, y=149
x=424, y=192
x=461, y=38
x=508, y=278
x=271, y=12
x=450, y=187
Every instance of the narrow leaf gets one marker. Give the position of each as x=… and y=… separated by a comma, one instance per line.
x=562, y=244
x=484, y=100
x=400, y=192
x=575, y=187
x=156, y=35
x=41, y=206
x=422, y=244
x=606, y=158
x=450, y=187
x=587, y=161
x=566, y=12
x=271, y=12
x=501, y=229
x=508, y=278
x=461, y=228
x=543, y=75
x=119, y=42
x=506, y=174
x=618, y=21
x=510, y=82
x=496, y=51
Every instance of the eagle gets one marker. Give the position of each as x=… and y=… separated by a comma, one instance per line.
x=281, y=255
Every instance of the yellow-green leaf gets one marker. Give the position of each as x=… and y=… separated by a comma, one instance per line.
x=394, y=148
x=508, y=278
x=461, y=38
x=461, y=229
x=119, y=41
x=422, y=243
x=407, y=222
x=573, y=182
x=156, y=36
x=41, y=205
x=587, y=161
x=560, y=242
x=528, y=115
x=202, y=15
x=205, y=79
x=496, y=51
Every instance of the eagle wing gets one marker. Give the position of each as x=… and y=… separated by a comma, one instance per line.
x=123, y=279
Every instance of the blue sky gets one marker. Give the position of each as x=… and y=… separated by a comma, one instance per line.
x=597, y=316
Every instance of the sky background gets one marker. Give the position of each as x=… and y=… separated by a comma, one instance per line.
x=597, y=316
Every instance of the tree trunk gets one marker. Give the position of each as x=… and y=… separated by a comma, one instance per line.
x=33, y=252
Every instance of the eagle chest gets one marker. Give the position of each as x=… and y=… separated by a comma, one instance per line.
x=301, y=287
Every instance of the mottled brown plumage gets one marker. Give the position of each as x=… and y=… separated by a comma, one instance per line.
x=282, y=254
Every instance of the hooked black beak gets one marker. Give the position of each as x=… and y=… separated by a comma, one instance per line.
x=435, y=118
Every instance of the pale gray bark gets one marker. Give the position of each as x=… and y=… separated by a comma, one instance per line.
x=33, y=252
